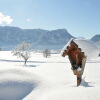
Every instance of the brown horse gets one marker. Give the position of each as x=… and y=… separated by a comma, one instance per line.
x=76, y=57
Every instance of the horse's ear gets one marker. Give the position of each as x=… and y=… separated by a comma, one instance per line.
x=67, y=47
x=72, y=42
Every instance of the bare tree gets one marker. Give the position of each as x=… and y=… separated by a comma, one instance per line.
x=22, y=50
x=46, y=53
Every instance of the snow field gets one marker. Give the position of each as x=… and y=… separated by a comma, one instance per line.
x=46, y=79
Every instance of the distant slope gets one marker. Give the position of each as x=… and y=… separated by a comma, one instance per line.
x=39, y=38
x=96, y=40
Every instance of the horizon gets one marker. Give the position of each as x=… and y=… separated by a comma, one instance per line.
x=80, y=18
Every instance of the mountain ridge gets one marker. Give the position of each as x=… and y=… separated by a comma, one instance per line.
x=39, y=38
x=10, y=36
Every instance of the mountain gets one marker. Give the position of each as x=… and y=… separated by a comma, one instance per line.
x=39, y=38
x=96, y=40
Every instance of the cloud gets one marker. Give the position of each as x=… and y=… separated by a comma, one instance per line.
x=5, y=19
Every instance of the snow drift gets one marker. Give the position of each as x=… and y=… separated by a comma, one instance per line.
x=15, y=84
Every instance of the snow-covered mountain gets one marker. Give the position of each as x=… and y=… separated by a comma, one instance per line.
x=39, y=38
x=96, y=40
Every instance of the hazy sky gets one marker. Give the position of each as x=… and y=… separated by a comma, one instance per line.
x=80, y=17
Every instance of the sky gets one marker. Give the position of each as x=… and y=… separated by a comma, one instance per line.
x=81, y=18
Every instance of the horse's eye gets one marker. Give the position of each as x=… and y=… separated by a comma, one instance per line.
x=65, y=50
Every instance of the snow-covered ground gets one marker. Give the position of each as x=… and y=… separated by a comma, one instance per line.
x=46, y=78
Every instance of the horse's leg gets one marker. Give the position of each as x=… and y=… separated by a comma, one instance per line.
x=80, y=73
x=74, y=72
x=79, y=78
x=83, y=65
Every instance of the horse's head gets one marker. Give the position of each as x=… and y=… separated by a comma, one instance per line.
x=65, y=52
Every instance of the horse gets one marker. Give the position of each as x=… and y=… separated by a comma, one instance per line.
x=76, y=58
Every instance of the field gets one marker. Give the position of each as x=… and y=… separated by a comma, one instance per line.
x=46, y=78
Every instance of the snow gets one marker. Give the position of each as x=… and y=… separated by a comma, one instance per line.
x=46, y=78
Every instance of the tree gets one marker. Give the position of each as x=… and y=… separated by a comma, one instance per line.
x=46, y=53
x=22, y=50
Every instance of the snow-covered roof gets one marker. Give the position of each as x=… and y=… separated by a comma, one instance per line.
x=88, y=47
